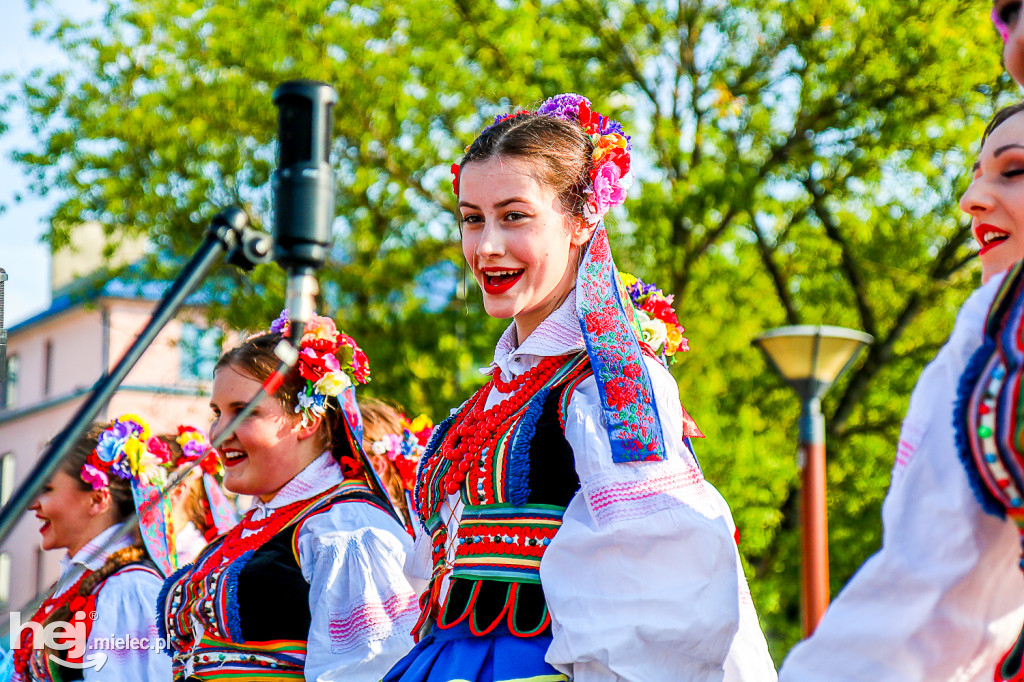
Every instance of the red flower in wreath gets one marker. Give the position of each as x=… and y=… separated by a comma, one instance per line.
x=591, y=121
x=313, y=366
x=660, y=308
x=455, y=180
x=621, y=393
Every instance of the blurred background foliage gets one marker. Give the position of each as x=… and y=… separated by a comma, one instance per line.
x=799, y=162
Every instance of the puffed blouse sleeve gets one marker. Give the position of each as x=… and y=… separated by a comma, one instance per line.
x=362, y=606
x=125, y=629
x=643, y=579
x=943, y=599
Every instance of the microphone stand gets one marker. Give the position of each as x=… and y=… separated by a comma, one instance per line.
x=229, y=233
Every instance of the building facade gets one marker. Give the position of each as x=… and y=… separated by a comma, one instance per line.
x=53, y=360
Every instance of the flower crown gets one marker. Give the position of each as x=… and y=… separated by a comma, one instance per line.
x=658, y=321
x=329, y=361
x=1001, y=26
x=127, y=449
x=195, y=446
x=610, y=174
x=405, y=450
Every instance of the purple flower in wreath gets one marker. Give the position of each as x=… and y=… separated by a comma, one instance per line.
x=278, y=325
x=194, y=449
x=121, y=468
x=565, y=106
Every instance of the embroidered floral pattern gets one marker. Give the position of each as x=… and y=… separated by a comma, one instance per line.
x=634, y=428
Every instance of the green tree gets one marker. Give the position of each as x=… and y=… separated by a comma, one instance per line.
x=799, y=162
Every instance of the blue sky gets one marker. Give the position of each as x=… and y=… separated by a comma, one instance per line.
x=22, y=255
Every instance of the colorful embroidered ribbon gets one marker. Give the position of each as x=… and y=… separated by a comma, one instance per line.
x=611, y=331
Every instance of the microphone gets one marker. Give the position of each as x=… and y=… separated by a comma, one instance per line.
x=303, y=190
x=3, y=330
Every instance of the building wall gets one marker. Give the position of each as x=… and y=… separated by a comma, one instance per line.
x=84, y=342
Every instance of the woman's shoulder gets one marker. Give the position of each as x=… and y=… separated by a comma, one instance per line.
x=343, y=521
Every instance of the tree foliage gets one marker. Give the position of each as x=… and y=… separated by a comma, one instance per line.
x=799, y=163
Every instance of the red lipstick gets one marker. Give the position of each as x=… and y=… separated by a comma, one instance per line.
x=500, y=280
x=989, y=236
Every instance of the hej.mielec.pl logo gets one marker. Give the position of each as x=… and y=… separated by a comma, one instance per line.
x=60, y=636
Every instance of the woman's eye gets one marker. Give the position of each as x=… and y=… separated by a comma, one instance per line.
x=472, y=218
x=514, y=215
x=1009, y=12
x=1013, y=173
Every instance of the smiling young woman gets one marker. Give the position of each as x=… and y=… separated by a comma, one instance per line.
x=309, y=585
x=569, y=533
x=109, y=589
x=943, y=599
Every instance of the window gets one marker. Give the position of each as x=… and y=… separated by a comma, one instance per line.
x=47, y=366
x=9, y=387
x=6, y=477
x=200, y=350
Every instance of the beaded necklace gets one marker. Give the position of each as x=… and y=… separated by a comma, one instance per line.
x=24, y=652
x=234, y=545
x=477, y=429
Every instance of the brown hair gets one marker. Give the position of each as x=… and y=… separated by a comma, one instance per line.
x=120, y=488
x=560, y=153
x=1000, y=118
x=380, y=419
x=255, y=356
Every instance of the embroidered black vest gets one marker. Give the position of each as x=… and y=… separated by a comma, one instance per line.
x=495, y=576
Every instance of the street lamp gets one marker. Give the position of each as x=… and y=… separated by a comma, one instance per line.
x=810, y=358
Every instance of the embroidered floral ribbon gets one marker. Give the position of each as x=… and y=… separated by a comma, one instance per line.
x=611, y=331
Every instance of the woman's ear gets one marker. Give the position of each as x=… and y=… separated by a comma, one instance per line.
x=100, y=501
x=581, y=231
x=310, y=429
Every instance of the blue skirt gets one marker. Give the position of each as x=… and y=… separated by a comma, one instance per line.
x=457, y=655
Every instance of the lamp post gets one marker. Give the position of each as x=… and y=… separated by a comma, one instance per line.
x=810, y=358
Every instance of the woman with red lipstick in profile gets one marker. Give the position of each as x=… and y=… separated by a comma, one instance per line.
x=309, y=584
x=107, y=589
x=944, y=597
x=568, y=530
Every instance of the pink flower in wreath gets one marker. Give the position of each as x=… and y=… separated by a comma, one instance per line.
x=621, y=393
x=608, y=190
x=94, y=477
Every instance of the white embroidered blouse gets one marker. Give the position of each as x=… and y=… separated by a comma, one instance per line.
x=944, y=598
x=363, y=609
x=123, y=635
x=643, y=579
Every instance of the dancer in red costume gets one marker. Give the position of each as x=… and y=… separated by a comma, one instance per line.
x=309, y=584
x=569, y=532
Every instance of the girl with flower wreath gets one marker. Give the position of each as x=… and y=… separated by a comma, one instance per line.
x=569, y=532
x=394, y=446
x=199, y=510
x=309, y=584
x=106, y=590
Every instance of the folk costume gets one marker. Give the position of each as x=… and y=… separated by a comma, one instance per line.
x=308, y=585
x=108, y=588
x=570, y=533
x=943, y=599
